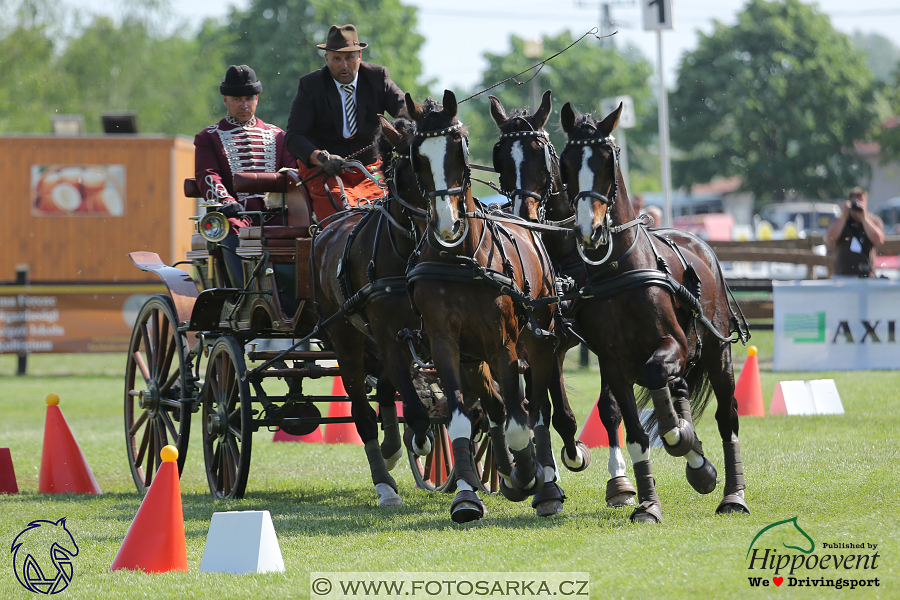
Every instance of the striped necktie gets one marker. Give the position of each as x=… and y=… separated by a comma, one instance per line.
x=350, y=108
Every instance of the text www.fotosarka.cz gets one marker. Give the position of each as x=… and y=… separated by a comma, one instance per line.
x=448, y=585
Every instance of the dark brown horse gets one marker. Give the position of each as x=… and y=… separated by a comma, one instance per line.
x=529, y=171
x=478, y=285
x=655, y=310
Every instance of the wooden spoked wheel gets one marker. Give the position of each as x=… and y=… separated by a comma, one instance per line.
x=159, y=391
x=485, y=466
x=227, y=420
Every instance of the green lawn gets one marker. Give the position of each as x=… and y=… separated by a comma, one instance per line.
x=837, y=474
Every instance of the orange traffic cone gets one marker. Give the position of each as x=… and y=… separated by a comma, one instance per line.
x=340, y=433
x=155, y=542
x=748, y=389
x=7, y=473
x=594, y=434
x=63, y=466
x=312, y=438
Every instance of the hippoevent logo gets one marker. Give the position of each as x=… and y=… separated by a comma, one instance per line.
x=783, y=553
x=42, y=556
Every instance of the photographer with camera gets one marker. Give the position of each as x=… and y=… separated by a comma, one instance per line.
x=854, y=236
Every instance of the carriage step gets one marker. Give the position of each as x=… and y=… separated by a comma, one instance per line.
x=312, y=372
x=293, y=355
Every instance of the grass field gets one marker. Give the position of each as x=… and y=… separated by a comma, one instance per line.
x=837, y=474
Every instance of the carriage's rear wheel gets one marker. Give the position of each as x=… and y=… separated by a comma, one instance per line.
x=227, y=420
x=159, y=391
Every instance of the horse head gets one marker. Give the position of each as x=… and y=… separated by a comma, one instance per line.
x=394, y=150
x=50, y=539
x=440, y=159
x=589, y=165
x=525, y=159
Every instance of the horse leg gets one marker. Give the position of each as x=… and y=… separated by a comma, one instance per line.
x=698, y=471
x=482, y=385
x=576, y=456
x=418, y=436
x=466, y=506
x=721, y=376
x=649, y=508
x=524, y=477
x=391, y=447
x=619, y=490
x=549, y=501
x=354, y=378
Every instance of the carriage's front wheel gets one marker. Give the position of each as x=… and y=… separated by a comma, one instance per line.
x=227, y=420
x=435, y=472
x=158, y=391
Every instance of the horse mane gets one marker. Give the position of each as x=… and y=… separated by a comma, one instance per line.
x=514, y=121
x=406, y=128
x=585, y=126
x=432, y=107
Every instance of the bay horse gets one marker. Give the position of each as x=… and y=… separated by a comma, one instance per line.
x=529, y=173
x=359, y=260
x=655, y=310
x=478, y=285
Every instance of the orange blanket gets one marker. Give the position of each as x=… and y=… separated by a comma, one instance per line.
x=356, y=186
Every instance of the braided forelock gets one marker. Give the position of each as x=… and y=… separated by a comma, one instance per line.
x=407, y=130
x=431, y=106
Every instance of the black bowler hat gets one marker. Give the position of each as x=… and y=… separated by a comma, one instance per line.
x=240, y=80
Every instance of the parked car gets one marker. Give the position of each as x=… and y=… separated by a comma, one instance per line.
x=889, y=212
x=809, y=217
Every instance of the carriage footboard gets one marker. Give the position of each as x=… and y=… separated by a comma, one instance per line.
x=182, y=289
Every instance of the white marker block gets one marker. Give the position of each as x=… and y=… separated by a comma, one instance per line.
x=792, y=398
x=242, y=542
x=825, y=396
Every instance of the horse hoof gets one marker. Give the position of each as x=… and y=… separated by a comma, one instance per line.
x=703, y=478
x=510, y=493
x=647, y=512
x=619, y=492
x=549, y=501
x=572, y=464
x=536, y=486
x=466, y=507
x=732, y=504
x=391, y=462
x=387, y=496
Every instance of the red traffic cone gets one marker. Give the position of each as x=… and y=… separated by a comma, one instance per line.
x=8, y=483
x=594, y=434
x=155, y=542
x=340, y=433
x=63, y=466
x=312, y=438
x=748, y=389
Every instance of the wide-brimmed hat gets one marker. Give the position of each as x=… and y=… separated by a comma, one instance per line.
x=240, y=80
x=342, y=39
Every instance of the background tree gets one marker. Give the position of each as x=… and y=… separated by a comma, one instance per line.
x=882, y=56
x=278, y=39
x=779, y=100
x=583, y=75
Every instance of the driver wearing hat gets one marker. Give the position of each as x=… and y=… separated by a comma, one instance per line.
x=334, y=117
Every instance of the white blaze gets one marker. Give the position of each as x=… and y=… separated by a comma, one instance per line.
x=435, y=149
x=584, y=214
x=518, y=156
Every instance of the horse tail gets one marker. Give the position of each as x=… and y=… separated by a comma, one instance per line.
x=699, y=388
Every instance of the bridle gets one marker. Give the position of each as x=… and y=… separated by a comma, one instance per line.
x=461, y=190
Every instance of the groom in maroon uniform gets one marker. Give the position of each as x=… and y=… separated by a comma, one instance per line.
x=239, y=143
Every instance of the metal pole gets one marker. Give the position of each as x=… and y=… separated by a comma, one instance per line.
x=664, y=136
x=22, y=279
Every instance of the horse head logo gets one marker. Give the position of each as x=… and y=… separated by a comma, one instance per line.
x=788, y=533
x=40, y=545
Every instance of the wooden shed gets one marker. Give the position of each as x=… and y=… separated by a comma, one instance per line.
x=76, y=206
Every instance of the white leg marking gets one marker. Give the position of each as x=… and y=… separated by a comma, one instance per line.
x=616, y=462
x=490, y=422
x=460, y=426
x=634, y=449
x=694, y=460
x=734, y=437
x=672, y=436
x=517, y=436
x=462, y=485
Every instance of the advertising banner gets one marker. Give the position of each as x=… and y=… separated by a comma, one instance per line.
x=70, y=318
x=78, y=190
x=836, y=324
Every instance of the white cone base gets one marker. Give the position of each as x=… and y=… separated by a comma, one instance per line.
x=242, y=542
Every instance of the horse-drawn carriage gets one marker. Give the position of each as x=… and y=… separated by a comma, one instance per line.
x=197, y=351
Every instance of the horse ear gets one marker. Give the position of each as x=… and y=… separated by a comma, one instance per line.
x=567, y=117
x=543, y=112
x=497, y=111
x=609, y=123
x=388, y=131
x=413, y=108
x=450, y=107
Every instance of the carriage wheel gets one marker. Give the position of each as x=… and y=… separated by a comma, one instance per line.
x=227, y=420
x=436, y=472
x=158, y=391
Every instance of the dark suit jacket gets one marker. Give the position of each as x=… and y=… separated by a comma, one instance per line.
x=316, y=119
